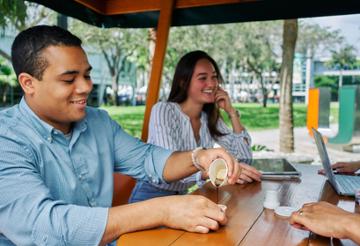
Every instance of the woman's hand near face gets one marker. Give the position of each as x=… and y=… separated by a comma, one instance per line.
x=222, y=99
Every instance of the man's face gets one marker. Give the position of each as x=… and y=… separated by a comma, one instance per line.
x=60, y=97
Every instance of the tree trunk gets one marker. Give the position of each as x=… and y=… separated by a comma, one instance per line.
x=263, y=91
x=290, y=31
x=115, y=89
x=152, y=43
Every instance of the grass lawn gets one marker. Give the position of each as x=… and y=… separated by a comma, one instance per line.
x=253, y=116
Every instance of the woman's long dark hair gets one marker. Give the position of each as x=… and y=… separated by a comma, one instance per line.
x=181, y=82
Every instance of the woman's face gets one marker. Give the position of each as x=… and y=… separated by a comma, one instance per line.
x=204, y=83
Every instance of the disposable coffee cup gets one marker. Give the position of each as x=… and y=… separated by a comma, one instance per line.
x=218, y=172
x=271, y=199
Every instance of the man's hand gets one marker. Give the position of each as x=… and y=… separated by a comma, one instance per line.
x=187, y=212
x=248, y=174
x=344, y=167
x=192, y=213
x=206, y=157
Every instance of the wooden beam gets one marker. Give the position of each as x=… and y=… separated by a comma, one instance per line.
x=162, y=34
x=97, y=6
x=115, y=7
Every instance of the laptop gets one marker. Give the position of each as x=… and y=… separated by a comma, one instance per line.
x=343, y=184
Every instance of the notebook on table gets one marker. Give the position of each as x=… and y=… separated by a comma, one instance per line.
x=343, y=184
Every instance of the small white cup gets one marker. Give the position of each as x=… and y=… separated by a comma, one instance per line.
x=271, y=199
x=218, y=172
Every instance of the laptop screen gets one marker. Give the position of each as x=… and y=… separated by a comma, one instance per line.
x=324, y=157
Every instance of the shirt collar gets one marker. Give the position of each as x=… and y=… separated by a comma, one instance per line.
x=43, y=128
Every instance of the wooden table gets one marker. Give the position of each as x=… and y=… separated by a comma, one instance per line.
x=249, y=223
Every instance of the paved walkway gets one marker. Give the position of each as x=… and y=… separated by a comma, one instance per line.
x=305, y=148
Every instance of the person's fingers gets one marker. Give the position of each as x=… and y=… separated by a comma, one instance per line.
x=321, y=171
x=308, y=206
x=219, y=97
x=255, y=175
x=240, y=181
x=236, y=173
x=201, y=229
x=301, y=227
x=246, y=178
x=338, y=164
x=209, y=223
x=229, y=160
x=215, y=213
x=296, y=225
x=250, y=172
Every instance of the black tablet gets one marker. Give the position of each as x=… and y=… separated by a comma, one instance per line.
x=274, y=167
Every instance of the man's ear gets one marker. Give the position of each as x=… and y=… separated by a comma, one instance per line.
x=27, y=82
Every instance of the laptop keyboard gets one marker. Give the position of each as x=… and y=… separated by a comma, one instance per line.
x=348, y=183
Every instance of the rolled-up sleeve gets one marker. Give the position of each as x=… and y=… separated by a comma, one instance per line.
x=28, y=213
x=137, y=159
x=238, y=144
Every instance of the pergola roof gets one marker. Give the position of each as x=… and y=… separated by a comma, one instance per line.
x=145, y=13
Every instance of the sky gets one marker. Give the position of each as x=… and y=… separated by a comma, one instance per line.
x=348, y=24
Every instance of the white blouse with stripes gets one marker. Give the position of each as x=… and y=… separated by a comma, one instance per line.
x=170, y=128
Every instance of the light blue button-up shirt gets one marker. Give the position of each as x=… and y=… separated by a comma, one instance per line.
x=57, y=191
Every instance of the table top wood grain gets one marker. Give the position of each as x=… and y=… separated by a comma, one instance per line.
x=249, y=223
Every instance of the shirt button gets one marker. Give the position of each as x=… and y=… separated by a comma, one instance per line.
x=49, y=139
x=154, y=181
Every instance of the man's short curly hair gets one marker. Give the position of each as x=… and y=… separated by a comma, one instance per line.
x=26, y=50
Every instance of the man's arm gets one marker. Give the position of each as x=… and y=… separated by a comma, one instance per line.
x=146, y=161
x=31, y=215
x=180, y=164
x=188, y=212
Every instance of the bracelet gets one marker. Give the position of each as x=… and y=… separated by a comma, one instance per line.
x=194, y=159
x=234, y=113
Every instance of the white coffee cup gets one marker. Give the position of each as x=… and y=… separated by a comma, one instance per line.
x=218, y=172
x=271, y=199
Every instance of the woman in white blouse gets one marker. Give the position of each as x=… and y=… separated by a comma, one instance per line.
x=191, y=118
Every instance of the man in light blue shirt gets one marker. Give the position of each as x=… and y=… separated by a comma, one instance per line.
x=57, y=157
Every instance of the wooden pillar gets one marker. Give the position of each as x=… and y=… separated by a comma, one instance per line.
x=163, y=28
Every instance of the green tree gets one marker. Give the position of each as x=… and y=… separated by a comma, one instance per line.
x=19, y=16
x=344, y=58
x=117, y=46
x=7, y=79
x=12, y=12
x=315, y=39
x=260, y=42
